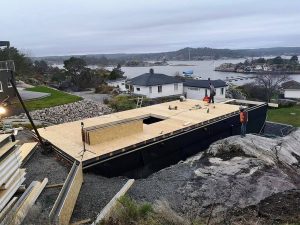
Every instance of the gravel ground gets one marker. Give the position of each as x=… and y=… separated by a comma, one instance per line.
x=95, y=193
x=68, y=112
x=91, y=95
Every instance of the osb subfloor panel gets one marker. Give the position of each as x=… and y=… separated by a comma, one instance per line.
x=67, y=136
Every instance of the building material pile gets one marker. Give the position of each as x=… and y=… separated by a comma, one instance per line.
x=11, y=176
x=12, y=156
x=113, y=130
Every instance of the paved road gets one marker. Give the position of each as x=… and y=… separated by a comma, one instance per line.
x=90, y=95
x=31, y=95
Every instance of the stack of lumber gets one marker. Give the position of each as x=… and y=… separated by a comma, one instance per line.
x=113, y=130
x=11, y=176
x=17, y=213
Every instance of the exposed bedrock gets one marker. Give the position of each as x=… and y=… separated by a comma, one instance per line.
x=234, y=173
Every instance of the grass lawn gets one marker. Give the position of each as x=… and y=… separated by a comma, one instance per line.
x=285, y=115
x=56, y=98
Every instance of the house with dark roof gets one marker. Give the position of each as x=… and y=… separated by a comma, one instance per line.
x=291, y=89
x=197, y=89
x=155, y=85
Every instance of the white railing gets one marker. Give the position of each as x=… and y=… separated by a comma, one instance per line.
x=7, y=65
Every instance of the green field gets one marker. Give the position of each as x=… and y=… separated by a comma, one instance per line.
x=56, y=98
x=289, y=115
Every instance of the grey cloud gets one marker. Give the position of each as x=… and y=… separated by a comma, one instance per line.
x=93, y=26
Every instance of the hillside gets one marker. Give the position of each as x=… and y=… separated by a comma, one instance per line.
x=182, y=54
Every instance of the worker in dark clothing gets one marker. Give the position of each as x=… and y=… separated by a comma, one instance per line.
x=212, y=93
x=243, y=120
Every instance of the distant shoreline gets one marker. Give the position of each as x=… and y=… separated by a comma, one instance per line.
x=259, y=72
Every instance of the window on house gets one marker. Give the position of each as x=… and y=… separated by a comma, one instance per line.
x=150, y=89
x=1, y=88
x=159, y=88
x=175, y=87
x=222, y=91
x=138, y=89
x=205, y=92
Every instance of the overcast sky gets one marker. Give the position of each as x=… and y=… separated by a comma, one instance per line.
x=59, y=27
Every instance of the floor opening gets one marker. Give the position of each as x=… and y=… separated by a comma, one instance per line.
x=152, y=119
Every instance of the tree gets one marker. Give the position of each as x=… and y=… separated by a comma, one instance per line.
x=76, y=68
x=261, y=60
x=41, y=66
x=271, y=83
x=278, y=60
x=23, y=64
x=294, y=59
x=116, y=73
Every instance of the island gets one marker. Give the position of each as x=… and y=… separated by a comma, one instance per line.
x=275, y=65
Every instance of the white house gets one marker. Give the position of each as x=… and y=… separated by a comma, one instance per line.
x=155, y=85
x=119, y=83
x=291, y=89
x=198, y=89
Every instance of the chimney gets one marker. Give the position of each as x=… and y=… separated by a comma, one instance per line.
x=151, y=71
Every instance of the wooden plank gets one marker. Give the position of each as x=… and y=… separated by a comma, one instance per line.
x=28, y=202
x=82, y=222
x=26, y=150
x=6, y=149
x=105, y=212
x=65, y=203
x=9, y=166
x=6, y=195
x=18, y=175
x=8, y=219
x=4, y=138
x=7, y=208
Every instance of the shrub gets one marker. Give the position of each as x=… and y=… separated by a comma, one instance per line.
x=128, y=212
x=103, y=89
x=122, y=102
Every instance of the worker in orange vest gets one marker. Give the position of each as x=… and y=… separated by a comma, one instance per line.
x=243, y=120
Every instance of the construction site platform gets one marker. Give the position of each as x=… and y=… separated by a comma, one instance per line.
x=117, y=133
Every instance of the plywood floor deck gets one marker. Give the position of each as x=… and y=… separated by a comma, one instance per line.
x=67, y=136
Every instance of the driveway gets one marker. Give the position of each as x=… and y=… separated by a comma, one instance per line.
x=32, y=95
x=91, y=95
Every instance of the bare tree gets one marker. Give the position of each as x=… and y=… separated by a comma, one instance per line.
x=271, y=83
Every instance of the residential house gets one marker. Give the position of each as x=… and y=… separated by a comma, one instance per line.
x=198, y=89
x=291, y=89
x=155, y=85
x=119, y=83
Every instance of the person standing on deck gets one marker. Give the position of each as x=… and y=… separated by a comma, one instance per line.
x=212, y=93
x=243, y=120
